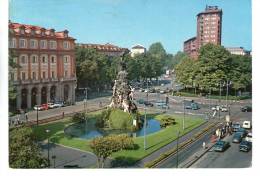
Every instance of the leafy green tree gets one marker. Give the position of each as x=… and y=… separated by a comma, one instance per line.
x=11, y=88
x=23, y=149
x=177, y=58
x=214, y=65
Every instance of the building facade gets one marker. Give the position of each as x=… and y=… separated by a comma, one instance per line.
x=209, y=30
x=190, y=47
x=46, y=65
x=137, y=49
x=238, y=51
x=107, y=49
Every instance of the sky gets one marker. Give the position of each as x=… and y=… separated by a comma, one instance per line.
x=129, y=22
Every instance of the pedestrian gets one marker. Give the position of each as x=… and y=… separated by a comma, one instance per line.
x=63, y=114
x=204, y=145
x=26, y=117
x=100, y=104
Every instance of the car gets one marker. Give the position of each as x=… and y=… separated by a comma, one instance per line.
x=162, y=91
x=51, y=105
x=165, y=106
x=224, y=109
x=237, y=138
x=246, y=125
x=221, y=146
x=147, y=103
x=246, y=109
x=235, y=126
x=245, y=146
x=141, y=90
x=45, y=106
x=242, y=132
x=151, y=90
x=249, y=137
x=59, y=104
x=146, y=90
x=140, y=101
x=160, y=103
x=38, y=107
x=193, y=106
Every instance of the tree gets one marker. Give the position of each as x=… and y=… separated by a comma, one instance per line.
x=177, y=58
x=11, y=88
x=23, y=149
x=213, y=66
x=103, y=147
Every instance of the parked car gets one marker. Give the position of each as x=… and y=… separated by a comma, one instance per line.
x=147, y=103
x=224, y=109
x=51, y=105
x=219, y=108
x=246, y=124
x=237, y=138
x=162, y=91
x=45, y=106
x=59, y=104
x=221, y=146
x=215, y=108
x=249, y=137
x=242, y=132
x=235, y=126
x=246, y=109
x=38, y=107
x=140, y=101
x=245, y=146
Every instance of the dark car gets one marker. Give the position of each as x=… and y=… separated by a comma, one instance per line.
x=246, y=109
x=221, y=146
x=242, y=132
x=140, y=101
x=147, y=103
x=245, y=146
x=237, y=138
x=235, y=126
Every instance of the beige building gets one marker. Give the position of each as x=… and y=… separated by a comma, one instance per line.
x=107, y=49
x=46, y=62
x=137, y=49
x=238, y=51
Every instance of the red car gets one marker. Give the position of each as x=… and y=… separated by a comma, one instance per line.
x=44, y=107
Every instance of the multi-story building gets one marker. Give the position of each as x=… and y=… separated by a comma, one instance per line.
x=209, y=25
x=190, y=47
x=209, y=30
x=238, y=51
x=107, y=49
x=46, y=65
x=137, y=49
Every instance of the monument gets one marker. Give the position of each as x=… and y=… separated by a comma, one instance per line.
x=122, y=97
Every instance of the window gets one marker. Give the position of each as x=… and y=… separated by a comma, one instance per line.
x=23, y=59
x=53, y=60
x=12, y=76
x=33, y=75
x=33, y=43
x=52, y=74
x=22, y=43
x=44, y=59
x=43, y=44
x=34, y=59
x=53, y=44
x=66, y=45
x=43, y=75
x=12, y=43
x=23, y=75
x=66, y=59
x=65, y=73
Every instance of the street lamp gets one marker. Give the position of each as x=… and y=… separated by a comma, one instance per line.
x=53, y=157
x=144, y=127
x=183, y=119
x=86, y=97
x=177, y=158
x=47, y=131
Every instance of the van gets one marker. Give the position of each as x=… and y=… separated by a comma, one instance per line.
x=246, y=124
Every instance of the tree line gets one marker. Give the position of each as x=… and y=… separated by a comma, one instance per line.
x=214, y=68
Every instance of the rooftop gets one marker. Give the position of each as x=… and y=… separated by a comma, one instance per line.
x=106, y=47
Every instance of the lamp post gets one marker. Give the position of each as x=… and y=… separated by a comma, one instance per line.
x=53, y=157
x=183, y=119
x=86, y=97
x=177, y=158
x=47, y=131
x=144, y=127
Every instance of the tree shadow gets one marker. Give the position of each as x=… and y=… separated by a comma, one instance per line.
x=122, y=161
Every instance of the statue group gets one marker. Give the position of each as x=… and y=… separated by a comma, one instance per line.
x=122, y=92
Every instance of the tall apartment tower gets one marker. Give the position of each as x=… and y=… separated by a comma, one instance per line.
x=209, y=25
x=209, y=29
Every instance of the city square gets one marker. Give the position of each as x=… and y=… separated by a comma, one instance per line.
x=131, y=93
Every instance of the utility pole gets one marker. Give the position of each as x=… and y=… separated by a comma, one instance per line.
x=177, y=158
x=86, y=97
x=144, y=127
x=183, y=119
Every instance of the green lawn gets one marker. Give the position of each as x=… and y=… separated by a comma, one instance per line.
x=154, y=141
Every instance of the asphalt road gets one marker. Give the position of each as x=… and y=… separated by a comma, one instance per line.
x=231, y=158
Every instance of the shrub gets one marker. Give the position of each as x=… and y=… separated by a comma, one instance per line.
x=79, y=117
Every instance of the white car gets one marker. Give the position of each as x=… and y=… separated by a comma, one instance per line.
x=51, y=105
x=249, y=137
x=224, y=109
x=246, y=124
x=38, y=107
